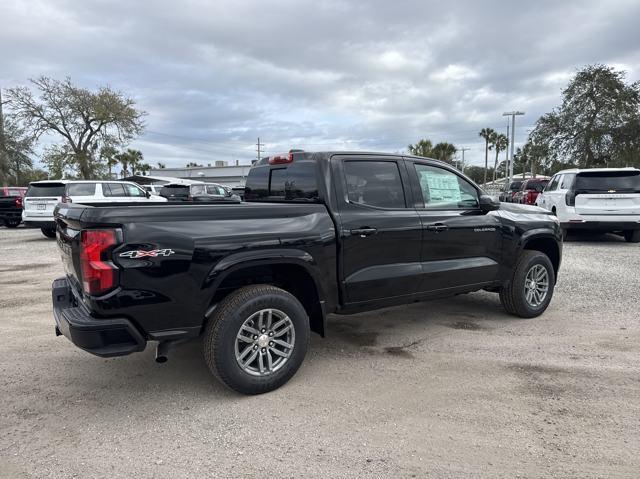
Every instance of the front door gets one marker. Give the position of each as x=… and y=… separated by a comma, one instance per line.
x=380, y=230
x=461, y=245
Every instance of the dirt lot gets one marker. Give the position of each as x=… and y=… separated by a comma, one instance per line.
x=452, y=388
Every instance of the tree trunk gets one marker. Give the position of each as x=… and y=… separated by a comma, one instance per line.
x=495, y=165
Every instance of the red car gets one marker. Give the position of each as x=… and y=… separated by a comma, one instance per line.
x=529, y=191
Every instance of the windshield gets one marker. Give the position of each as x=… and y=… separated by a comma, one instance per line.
x=609, y=181
x=515, y=186
x=40, y=190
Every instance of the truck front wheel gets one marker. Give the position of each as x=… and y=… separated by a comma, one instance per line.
x=531, y=287
x=256, y=339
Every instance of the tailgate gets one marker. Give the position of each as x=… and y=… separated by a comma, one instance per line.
x=608, y=204
x=68, y=236
x=40, y=206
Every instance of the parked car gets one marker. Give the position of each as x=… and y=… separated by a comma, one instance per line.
x=509, y=191
x=39, y=202
x=153, y=189
x=203, y=192
x=11, y=205
x=318, y=233
x=83, y=191
x=597, y=199
x=530, y=190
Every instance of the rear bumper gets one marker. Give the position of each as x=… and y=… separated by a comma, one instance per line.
x=50, y=224
x=10, y=215
x=601, y=225
x=102, y=337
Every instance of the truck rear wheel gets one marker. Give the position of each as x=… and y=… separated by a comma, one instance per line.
x=48, y=232
x=632, y=236
x=531, y=287
x=256, y=339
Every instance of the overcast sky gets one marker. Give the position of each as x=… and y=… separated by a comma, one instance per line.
x=376, y=75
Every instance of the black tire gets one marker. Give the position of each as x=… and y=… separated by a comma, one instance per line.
x=632, y=236
x=229, y=316
x=512, y=296
x=48, y=232
x=12, y=223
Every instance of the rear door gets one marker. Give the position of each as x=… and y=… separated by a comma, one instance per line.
x=42, y=198
x=607, y=192
x=380, y=230
x=461, y=245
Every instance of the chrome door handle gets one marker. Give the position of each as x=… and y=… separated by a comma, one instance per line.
x=437, y=227
x=364, y=232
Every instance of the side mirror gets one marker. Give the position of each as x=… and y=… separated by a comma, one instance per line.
x=488, y=203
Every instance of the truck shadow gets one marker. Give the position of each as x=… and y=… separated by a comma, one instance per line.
x=593, y=237
x=396, y=332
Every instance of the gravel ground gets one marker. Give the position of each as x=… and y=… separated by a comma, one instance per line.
x=452, y=388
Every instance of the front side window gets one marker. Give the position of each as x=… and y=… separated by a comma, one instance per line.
x=374, y=183
x=443, y=189
x=133, y=190
x=215, y=190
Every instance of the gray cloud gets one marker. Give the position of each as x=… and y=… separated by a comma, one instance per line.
x=335, y=74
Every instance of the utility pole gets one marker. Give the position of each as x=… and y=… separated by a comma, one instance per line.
x=506, y=154
x=513, y=115
x=258, y=150
x=462, y=161
x=3, y=149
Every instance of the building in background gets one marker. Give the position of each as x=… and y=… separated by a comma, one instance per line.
x=232, y=176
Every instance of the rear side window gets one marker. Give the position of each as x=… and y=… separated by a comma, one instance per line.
x=553, y=184
x=115, y=190
x=45, y=190
x=374, y=183
x=515, y=185
x=617, y=181
x=81, y=189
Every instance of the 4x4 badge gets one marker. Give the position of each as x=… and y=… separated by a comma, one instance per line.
x=143, y=254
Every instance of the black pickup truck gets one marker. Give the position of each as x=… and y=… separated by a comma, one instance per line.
x=318, y=233
x=11, y=198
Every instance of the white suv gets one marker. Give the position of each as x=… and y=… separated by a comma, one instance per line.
x=601, y=199
x=107, y=192
x=38, y=204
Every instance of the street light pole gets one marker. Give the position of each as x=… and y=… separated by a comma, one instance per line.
x=513, y=115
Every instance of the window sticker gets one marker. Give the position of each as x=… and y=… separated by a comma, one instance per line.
x=442, y=187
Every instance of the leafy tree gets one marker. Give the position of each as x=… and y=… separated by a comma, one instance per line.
x=193, y=164
x=499, y=143
x=422, y=148
x=58, y=161
x=161, y=165
x=598, y=122
x=17, y=147
x=476, y=173
x=83, y=119
x=487, y=134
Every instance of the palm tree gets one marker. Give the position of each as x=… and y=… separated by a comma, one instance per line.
x=161, y=165
x=500, y=143
x=444, y=151
x=132, y=158
x=487, y=134
x=422, y=148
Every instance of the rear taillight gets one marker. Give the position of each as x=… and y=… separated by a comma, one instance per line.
x=66, y=199
x=99, y=274
x=570, y=198
x=189, y=198
x=19, y=203
x=531, y=197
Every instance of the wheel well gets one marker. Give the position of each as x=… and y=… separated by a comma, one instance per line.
x=547, y=246
x=291, y=277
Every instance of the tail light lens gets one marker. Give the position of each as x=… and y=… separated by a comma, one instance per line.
x=99, y=274
x=531, y=196
x=66, y=199
x=570, y=198
x=19, y=203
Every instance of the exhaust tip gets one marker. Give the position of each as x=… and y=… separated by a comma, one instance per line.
x=161, y=359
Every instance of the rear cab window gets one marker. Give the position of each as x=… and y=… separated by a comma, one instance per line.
x=374, y=183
